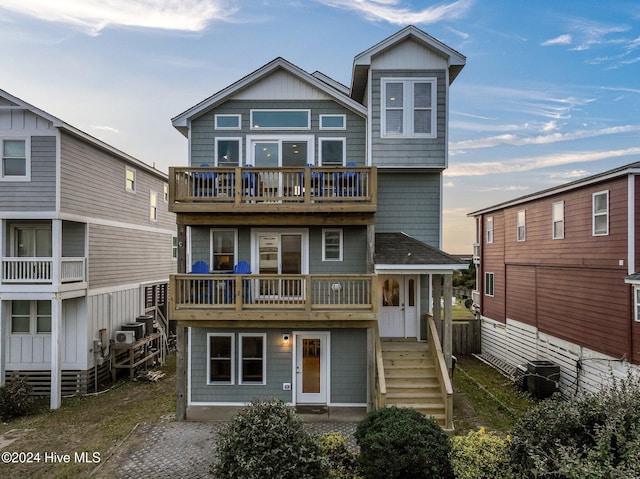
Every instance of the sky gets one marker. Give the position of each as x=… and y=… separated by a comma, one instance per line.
x=550, y=92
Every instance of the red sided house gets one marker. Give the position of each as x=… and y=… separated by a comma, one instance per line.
x=557, y=278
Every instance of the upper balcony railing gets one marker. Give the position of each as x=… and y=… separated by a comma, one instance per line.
x=252, y=189
x=40, y=270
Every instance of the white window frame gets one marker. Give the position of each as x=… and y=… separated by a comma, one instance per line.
x=153, y=206
x=174, y=248
x=253, y=127
x=27, y=160
x=344, y=149
x=264, y=359
x=33, y=319
x=408, y=107
x=127, y=181
x=489, y=229
x=232, y=338
x=340, y=231
x=165, y=191
x=237, y=139
x=557, y=217
x=489, y=280
x=344, y=122
x=598, y=214
x=218, y=127
x=521, y=225
x=251, y=139
x=211, y=252
x=636, y=292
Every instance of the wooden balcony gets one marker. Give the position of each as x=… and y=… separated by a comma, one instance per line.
x=268, y=190
x=254, y=297
x=39, y=270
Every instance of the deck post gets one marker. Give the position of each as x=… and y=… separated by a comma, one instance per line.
x=56, y=356
x=436, y=287
x=181, y=372
x=371, y=369
x=447, y=327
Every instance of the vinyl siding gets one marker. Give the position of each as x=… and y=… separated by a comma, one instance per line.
x=410, y=202
x=493, y=262
x=349, y=366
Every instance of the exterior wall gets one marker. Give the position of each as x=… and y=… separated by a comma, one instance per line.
x=203, y=131
x=400, y=196
x=493, y=262
x=348, y=366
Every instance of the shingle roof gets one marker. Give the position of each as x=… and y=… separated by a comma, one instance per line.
x=402, y=249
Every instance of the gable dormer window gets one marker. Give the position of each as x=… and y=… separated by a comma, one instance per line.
x=408, y=107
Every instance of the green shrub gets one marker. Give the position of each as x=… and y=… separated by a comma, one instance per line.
x=402, y=443
x=15, y=398
x=343, y=463
x=480, y=455
x=593, y=436
x=267, y=440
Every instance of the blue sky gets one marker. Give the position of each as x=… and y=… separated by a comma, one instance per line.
x=550, y=92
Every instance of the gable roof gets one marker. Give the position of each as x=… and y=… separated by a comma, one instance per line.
x=631, y=168
x=399, y=251
x=61, y=125
x=181, y=121
x=362, y=62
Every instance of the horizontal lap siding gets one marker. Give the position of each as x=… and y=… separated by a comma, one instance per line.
x=493, y=262
x=349, y=366
x=521, y=293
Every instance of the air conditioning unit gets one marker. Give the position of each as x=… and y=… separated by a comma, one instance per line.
x=125, y=337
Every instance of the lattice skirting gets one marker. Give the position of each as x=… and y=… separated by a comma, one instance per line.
x=74, y=383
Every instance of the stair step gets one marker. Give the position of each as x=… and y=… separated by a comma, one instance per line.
x=422, y=396
x=403, y=346
x=417, y=373
x=403, y=354
x=420, y=407
x=407, y=363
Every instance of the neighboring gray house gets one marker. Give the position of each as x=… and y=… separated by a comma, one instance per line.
x=86, y=244
x=309, y=227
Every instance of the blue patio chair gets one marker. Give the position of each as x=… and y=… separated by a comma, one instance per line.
x=242, y=267
x=201, y=290
x=204, y=184
x=249, y=183
x=348, y=183
x=316, y=181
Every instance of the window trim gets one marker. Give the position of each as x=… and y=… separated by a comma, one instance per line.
x=211, y=252
x=174, y=248
x=636, y=293
x=237, y=139
x=489, y=280
x=594, y=214
x=165, y=192
x=33, y=318
x=227, y=115
x=343, y=140
x=241, y=382
x=521, y=225
x=409, y=108
x=27, y=160
x=489, y=229
x=126, y=180
x=276, y=128
x=231, y=337
x=344, y=122
x=340, y=245
x=554, y=220
x=153, y=206
x=252, y=139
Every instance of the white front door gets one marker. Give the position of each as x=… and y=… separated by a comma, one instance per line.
x=312, y=367
x=398, y=308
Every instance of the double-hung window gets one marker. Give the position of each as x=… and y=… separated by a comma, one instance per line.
x=637, y=302
x=601, y=213
x=153, y=206
x=489, y=284
x=224, y=244
x=332, y=245
x=489, y=229
x=521, y=226
x=408, y=107
x=130, y=180
x=15, y=160
x=557, y=221
x=221, y=353
x=252, y=358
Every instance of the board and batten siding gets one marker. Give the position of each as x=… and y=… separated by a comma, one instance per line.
x=38, y=194
x=203, y=133
x=408, y=152
x=410, y=202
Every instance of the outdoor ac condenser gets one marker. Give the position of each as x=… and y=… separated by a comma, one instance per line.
x=125, y=337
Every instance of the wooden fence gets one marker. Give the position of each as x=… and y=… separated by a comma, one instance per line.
x=466, y=337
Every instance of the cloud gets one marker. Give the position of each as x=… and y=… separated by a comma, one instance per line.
x=109, y=129
x=569, y=175
x=394, y=12
x=520, y=165
x=488, y=189
x=92, y=16
x=561, y=40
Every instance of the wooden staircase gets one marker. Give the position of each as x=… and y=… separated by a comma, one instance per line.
x=411, y=378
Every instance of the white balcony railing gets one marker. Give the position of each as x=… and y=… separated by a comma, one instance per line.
x=476, y=253
x=40, y=270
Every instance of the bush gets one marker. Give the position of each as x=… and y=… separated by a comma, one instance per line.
x=594, y=436
x=343, y=463
x=479, y=455
x=15, y=398
x=402, y=443
x=267, y=439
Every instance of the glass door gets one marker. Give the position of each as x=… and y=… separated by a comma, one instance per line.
x=280, y=254
x=312, y=368
x=32, y=241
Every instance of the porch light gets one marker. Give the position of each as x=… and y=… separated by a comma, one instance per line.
x=285, y=338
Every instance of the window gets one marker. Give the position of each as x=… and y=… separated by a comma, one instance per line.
x=228, y=122
x=166, y=192
x=15, y=160
x=153, y=206
x=637, y=296
x=267, y=152
x=332, y=245
x=601, y=213
x=174, y=247
x=221, y=351
x=30, y=316
x=333, y=151
x=333, y=122
x=489, y=228
x=252, y=359
x=488, y=284
x=408, y=107
x=130, y=180
x=227, y=152
x=521, y=226
x=281, y=119
x=557, y=221
x=32, y=241
x=391, y=292
x=224, y=244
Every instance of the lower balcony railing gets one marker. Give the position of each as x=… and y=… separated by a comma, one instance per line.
x=272, y=292
x=40, y=270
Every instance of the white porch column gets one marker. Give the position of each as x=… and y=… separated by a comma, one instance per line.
x=436, y=289
x=56, y=355
x=447, y=327
x=3, y=321
x=56, y=251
